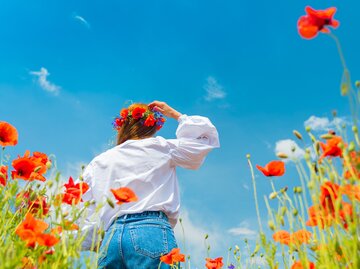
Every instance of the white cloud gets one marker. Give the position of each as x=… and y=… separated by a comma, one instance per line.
x=213, y=89
x=290, y=148
x=81, y=20
x=244, y=231
x=43, y=82
x=323, y=123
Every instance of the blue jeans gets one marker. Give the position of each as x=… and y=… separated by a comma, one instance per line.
x=137, y=241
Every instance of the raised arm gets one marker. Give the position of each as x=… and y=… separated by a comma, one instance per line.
x=196, y=137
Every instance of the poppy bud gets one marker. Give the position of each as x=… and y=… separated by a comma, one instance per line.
x=297, y=190
x=282, y=221
x=327, y=136
x=50, y=183
x=355, y=129
x=206, y=236
x=307, y=129
x=37, y=169
x=237, y=247
x=297, y=134
x=282, y=155
x=311, y=185
x=48, y=164
x=180, y=220
x=283, y=190
x=295, y=212
x=273, y=195
x=344, y=89
x=111, y=204
x=357, y=84
x=351, y=146
x=307, y=156
x=87, y=203
x=65, y=214
x=248, y=156
x=283, y=210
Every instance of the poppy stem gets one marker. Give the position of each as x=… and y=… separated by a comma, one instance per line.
x=255, y=195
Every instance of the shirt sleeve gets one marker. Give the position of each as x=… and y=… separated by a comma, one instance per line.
x=90, y=225
x=196, y=136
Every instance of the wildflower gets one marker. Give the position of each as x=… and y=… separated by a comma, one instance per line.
x=331, y=148
x=74, y=192
x=316, y=21
x=34, y=206
x=352, y=191
x=159, y=123
x=329, y=194
x=3, y=175
x=8, y=134
x=150, y=120
x=31, y=230
x=300, y=237
x=28, y=168
x=124, y=195
x=231, y=266
x=138, y=112
x=283, y=237
x=318, y=217
x=174, y=256
x=298, y=265
x=214, y=263
x=274, y=168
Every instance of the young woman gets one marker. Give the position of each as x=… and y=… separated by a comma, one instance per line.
x=138, y=233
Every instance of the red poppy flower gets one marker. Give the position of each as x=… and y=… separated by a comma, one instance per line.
x=318, y=217
x=138, y=112
x=174, y=256
x=124, y=113
x=29, y=167
x=283, y=237
x=124, y=195
x=352, y=191
x=74, y=192
x=150, y=121
x=328, y=196
x=273, y=169
x=214, y=263
x=31, y=230
x=34, y=204
x=298, y=265
x=316, y=21
x=300, y=237
x=331, y=148
x=3, y=175
x=8, y=134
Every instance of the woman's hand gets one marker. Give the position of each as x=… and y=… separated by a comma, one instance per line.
x=165, y=109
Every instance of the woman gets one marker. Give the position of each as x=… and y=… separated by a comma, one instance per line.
x=138, y=233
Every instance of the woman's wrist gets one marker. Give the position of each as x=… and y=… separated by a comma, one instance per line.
x=176, y=115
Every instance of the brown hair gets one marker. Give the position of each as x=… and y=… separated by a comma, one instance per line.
x=134, y=129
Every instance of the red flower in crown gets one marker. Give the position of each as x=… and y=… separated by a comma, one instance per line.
x=316, y=21
x=124, y=113
x=138, y=113
x=150, y=120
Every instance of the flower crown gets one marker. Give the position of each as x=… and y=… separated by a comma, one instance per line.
x=147, y=116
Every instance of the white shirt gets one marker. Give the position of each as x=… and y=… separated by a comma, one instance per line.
x=148, y=167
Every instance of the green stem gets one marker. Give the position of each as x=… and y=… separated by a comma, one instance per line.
x=255, y=195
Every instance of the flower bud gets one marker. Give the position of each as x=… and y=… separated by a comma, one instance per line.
x=352, y=146
x=111, y=203
x=297, y=190
x=344, y=89
x=273, y=195
x=206, y=236
x=87, y=204
x=295, y=212
x=271, y=225
x=50, y=183
x=237, y=247
x=326, y=136
x=282, y=221
x=282, y=155
x=297, y=134
x=248, y=156
x=307, y=129
x=48, y=164
x=357, y=84
x=283, y=210
x=283, y=190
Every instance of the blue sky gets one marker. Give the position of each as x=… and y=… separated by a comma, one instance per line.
x=264, y=81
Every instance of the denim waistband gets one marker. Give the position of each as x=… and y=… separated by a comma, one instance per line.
x=158, y=214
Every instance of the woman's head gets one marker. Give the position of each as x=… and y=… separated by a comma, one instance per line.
x=137, y=121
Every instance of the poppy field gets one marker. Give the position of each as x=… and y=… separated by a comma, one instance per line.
x=314, y=225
